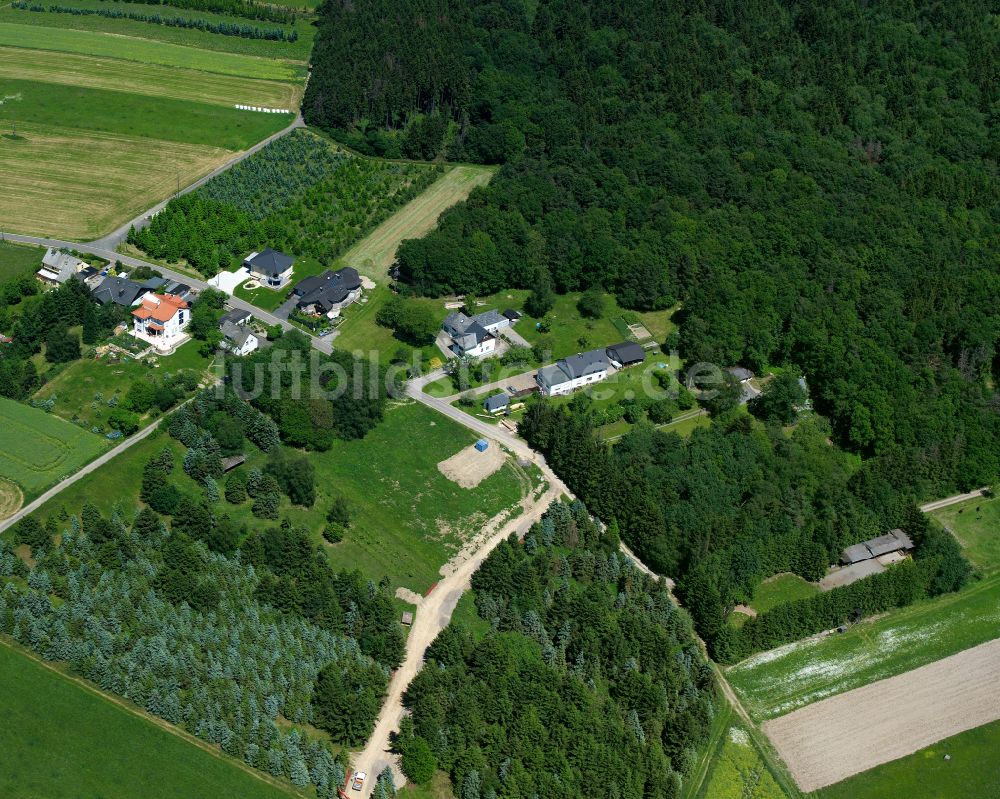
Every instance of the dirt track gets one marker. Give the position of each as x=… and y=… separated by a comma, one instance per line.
x=830, y=740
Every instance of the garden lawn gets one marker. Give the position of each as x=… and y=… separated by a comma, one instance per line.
x=74, y=184
x=570, y=332
x=14, y=33
x=187, y=356
x=976, y=525
x=17, y=260
x=777, y=682
x=359, y=332
x=155, y=80
x=973, y=770
x=137, y=115
x=268, y=298
x=293, y=53
x=38, y=449
x=77, y=387
x=62, y=740
x=780, y=589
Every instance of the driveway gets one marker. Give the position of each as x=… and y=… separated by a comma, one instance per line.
x=284, y=310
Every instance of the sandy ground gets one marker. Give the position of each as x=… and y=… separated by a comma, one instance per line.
x=844, y=735
x=469, y=467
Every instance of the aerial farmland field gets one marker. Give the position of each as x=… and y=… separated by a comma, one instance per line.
x=38, y=449
x=103, y=117
x=85, y=744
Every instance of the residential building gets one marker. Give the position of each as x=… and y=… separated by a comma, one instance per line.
x=473, y=336
x=160, y=319
x=583, y=369
x=496, y=402
x=270, y=267
x=58, y=267
x=628, y=353
x=119, y=290
x=327, y=294
x=237, y=337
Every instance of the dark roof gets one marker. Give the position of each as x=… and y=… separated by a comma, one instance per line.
x=180, y=289
x=270, y=262
x=237, y=334
x=236, y=316
x=496, y=402
x=511, y=314
x=118, y=290
x=328, y=289
x=232, y=462
x=154, y=283
x=893, y=541
x=628, y=352
x=741, y=373
x=584, y=363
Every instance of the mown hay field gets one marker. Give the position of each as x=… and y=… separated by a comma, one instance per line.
x=38, y=449
x=72, y=184
x=96, y=72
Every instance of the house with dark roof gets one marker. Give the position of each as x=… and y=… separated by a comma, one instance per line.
x=327, y=294
x=628, y=353
x=496, y=402
x=119, y=290
x=238, y=339
x=576, y=371
x=270, y=267
x=473, y=336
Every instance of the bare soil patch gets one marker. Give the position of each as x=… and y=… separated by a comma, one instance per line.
x=469, y=467
x=831, y=740
x=11, y=498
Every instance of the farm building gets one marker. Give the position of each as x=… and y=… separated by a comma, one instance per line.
x=628, y=353
x=270, y=267
x=893, y=541
x=573, y=372
x=497, y=402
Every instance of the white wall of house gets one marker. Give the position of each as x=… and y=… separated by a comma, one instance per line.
x=248, y=346
x=574, y=383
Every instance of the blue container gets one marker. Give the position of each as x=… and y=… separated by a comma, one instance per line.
x=482, y=444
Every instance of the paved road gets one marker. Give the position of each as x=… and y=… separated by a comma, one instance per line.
x=94, y=464
x=944, y=503
x=116, y=237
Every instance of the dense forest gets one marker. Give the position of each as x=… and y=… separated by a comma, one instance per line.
x=738, y=502
x=587, y=676
x=815, y=181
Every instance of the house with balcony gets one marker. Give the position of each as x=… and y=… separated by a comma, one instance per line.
x=271, y=267
x=160, y=320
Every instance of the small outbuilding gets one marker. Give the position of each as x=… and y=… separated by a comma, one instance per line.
x=230, y=463
x=741, y=373
x=482, y=445
x=628, y=353
x=511, y=314
x=496, y=403
x=407, y=619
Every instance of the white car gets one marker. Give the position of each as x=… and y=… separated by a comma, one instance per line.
x=359, y=781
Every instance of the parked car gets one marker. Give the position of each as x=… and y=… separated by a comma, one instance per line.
x=359, y=781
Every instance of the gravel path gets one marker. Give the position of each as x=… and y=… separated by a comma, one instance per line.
x=831, y=740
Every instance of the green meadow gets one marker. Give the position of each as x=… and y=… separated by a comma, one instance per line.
x=976, y=525
x=38, y=449
x=136, y=115
x=17, y=260
x=63, y=740
x=780, y=589
x=408, y=519
x=972, y=770
x=187, y=37
x=98, y=43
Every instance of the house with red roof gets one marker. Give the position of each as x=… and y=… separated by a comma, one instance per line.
x=160, y=319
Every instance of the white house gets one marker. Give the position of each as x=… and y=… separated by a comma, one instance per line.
x=58, y=267
x=238, y=338
x=270, y=267
x=572, y=373
x=160, y=319
x=474, y=336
